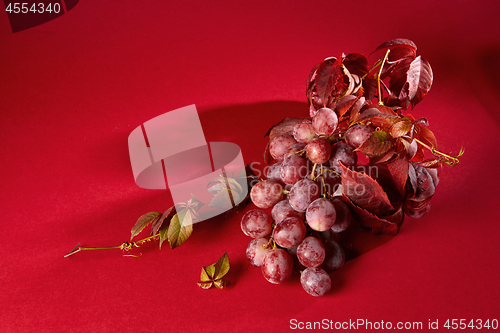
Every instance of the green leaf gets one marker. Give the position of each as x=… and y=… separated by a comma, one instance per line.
x=221, y=267
x=213, y=274
x=180, y=228
x=143, y=222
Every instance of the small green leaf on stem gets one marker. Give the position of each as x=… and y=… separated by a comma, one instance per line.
x=180, y=228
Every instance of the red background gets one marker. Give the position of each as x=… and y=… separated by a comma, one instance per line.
x=74, y=88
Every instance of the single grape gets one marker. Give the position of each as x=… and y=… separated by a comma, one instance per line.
x=318, y=150
x=256, y=251
x=434, y=174
x=358, y=134
x=277, y=266
x=334, y=256
x=425, y=184
x=302, y=194
x=344, y=216
x=325, y=122
x=266, y=193
x=321, y=214
x=315, y=281
x=289, y=232
x=311, y=252
x=293, y=169
x=256, y=223
x=279, y=145
x=293, y=149
x=273, y=172
x=282, y=210
x=342, y=152
x=303, y=131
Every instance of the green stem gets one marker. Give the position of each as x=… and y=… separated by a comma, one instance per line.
x=125, y=246
x=454, y=159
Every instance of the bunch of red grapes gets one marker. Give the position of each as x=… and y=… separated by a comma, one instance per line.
x=318, y=180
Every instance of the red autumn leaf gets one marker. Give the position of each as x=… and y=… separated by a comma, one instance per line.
x=398, y=43
x=401, y=127
x=284, y=126
x=356, y=63
x=394, y=175
x=419, y=79
x=365, y=192
x=155, y=227
x=388, y=224
x=143, y=222
x=370, y=87
x=398, y=53
x=327, y=76
x=425, y=135
x=344, y=104
x=378, y=144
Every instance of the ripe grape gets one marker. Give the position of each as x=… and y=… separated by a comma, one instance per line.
x=325, y=121
x=334, y=256
x=315, y=281
x=277, y=266
x=302, y=194
x=293, y=169
x=293, y=252
x=358, y=134
x=256, y=223
x=303, y=131
x=279, y=145
x=434, y=174
x=425, y=184
x=256, y=251
x=343, y=219
x=342, y=152
x=282, y=210
x=273, y=172
x=321, y=214
x=266, y=193
x=289, y=232
x=311, y=252
x=318, y=150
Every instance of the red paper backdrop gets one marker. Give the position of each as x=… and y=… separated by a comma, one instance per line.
x=74, y=88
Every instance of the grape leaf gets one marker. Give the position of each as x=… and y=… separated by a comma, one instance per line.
x=356, y=63
x=365, y=192
x=159, y=222
x=401, y=127
x=398, y=43
x=327, y=77
x=370, y=87
x=344, y=104
x=394, y=175
x=213, y=274
x=425, y=135
x=143, y=222
x=388, y=224
x=180, y=228
x=419, y=79
x=378, y=144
